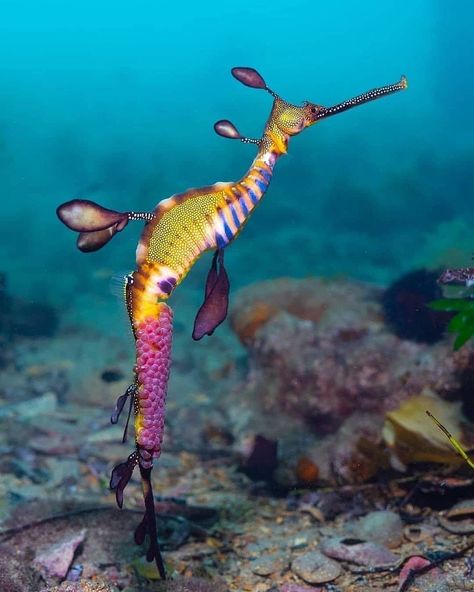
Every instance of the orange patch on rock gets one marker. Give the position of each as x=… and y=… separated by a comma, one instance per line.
x=249, y=321
x=307, y=471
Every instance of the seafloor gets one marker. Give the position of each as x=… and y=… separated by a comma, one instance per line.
x=291, y=461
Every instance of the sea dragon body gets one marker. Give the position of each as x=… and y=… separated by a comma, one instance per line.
x=176, y=233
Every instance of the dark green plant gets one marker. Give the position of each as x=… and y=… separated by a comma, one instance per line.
x=462, y=323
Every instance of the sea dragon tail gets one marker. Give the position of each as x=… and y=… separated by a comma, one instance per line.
x=148, y=524
x=152, y=328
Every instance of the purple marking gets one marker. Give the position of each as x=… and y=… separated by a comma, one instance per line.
x=166, y=286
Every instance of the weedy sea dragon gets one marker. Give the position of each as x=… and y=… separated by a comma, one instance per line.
x=176, y=233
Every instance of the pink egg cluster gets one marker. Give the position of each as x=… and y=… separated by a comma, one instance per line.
x=153, y=346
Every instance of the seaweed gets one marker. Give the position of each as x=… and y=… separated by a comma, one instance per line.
x=462, y=323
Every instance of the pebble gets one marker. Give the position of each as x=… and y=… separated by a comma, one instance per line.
x=83, y=586
x=297, y=588
x=315, y=568
x=270, y=564
x=46, y=403
x=360, y=552
x=55, y=561
x=434, y=580
x=383, y=527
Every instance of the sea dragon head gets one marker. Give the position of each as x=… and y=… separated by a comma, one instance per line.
x=288, y=120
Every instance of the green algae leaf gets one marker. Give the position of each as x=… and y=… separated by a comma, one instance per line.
x=462, y=337
x=452, y=304
x=462, y=324
x=457, y=323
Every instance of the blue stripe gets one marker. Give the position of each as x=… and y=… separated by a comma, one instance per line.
x=220, y=240
x=267, y=176
x=234, y=215
x=244, y=207
x=252, y=196
x=261, y=184
x=228, y=232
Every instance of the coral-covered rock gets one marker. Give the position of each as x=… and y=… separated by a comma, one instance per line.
x=324, y=352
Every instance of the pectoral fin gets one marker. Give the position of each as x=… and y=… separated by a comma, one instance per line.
x=214, y=308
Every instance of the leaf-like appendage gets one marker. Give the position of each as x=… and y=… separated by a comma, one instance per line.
x=87, y=242
x=83, y=215
x=227, y=129
x=249, y=77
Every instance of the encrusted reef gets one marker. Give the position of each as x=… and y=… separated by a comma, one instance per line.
x=324, y=361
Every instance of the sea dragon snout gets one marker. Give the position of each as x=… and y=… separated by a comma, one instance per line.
x=176, y=233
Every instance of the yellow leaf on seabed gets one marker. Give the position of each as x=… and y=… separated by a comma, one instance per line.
x=413, y=437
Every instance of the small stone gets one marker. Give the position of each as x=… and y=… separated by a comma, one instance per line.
x=269, y=564
x=297, y=588
x=108, y=434
x=413, y=566
x=359, y=552
x=383, y=527
x=55, y=561
x=98, y=585
x=46, y=403
x=315, y=568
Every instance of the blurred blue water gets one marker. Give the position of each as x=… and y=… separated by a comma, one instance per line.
x=115, y=102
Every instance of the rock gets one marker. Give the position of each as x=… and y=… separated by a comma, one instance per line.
x=359, y=552
x=432, y=577
x=307, y=471
x=259, y=458
x=98, y=585
x=315, y=568
x=326, y=352
x=36, y=319
x=327, y=369
x=411, y=438
x=269, y=564
x=191, y=585
x=297, y=588
x=15, y=573
x=55, y=561
x=46, y=403
x=459, y=519
x=383, y=527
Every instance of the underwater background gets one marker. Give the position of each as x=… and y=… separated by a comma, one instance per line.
x=301, y=422
x=116, y=103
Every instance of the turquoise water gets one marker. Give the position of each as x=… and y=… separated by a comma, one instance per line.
x=115, y=102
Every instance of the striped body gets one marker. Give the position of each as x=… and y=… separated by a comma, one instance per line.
x=198, y=220
x=184, y=226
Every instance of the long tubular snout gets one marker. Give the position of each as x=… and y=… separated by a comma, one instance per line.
x=371, y=95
